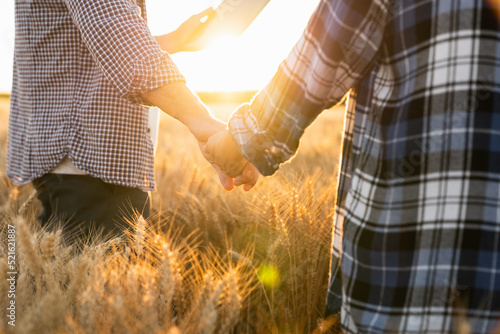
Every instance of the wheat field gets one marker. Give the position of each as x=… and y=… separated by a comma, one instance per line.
x=208, y=261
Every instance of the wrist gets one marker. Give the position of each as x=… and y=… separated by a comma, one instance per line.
x=236, y=162
x=168, y=42
x=204, y=125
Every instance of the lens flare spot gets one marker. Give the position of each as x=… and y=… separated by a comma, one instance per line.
x=269, y=276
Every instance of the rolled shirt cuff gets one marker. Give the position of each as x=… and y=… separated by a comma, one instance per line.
x=151, y=73
x=256, y=145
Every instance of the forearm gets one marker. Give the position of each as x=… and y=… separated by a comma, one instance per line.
x=178, y=101
x=316, y=75
x=168, y=42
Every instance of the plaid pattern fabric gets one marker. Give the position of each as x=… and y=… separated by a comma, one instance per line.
x=79, y=69
x=416, y=244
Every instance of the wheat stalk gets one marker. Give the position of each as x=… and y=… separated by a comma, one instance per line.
x=47, y=246
x=24, y=207
x=232, y=303
x=27, y=245
x=140, y=235
x=167, y=285
x=201, y=299
x=209, y=313
x=77, y=280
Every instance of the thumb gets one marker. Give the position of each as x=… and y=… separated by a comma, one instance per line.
x=209, y=13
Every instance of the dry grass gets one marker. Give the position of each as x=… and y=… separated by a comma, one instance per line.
x=208, y=262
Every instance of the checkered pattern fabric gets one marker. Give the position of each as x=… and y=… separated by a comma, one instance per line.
x=417, y=234
x=79, y=69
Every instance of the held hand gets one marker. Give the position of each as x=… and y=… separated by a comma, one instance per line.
x=203, y=129
x=178, y=101
x=248, y=178
x=226, y=154
x=189, y=32
x=226, y=181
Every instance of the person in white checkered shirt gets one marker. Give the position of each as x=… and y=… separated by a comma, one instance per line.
x=85, y=73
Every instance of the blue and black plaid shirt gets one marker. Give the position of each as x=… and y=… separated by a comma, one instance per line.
x=417, y=231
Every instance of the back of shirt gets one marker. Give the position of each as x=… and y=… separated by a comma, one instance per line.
x=419, y=190
x=79, y=69
x=417, y=226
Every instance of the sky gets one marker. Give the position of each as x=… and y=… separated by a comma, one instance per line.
x=246, y=63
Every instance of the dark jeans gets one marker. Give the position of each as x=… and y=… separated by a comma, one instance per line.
x=84, y=205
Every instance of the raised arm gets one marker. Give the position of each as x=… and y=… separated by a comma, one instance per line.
x=338, y=46
x=185, y=36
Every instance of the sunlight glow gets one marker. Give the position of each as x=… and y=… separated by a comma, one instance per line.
x=221, y=41
x=245, y=63
x=234, y=64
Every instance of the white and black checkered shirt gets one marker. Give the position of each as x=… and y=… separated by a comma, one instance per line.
x=79, y=69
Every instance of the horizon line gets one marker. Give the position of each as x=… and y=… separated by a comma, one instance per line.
x=219, y=95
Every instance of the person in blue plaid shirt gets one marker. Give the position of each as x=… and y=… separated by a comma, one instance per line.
x=416, y=245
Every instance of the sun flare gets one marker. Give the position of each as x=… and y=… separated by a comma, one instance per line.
x=221, y=41
x=232, y=63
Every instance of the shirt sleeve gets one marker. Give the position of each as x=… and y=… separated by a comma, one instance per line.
x=338, y=46
x=120, y=42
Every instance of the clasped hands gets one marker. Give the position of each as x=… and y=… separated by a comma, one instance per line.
x=214, y=140
x=223, y=154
